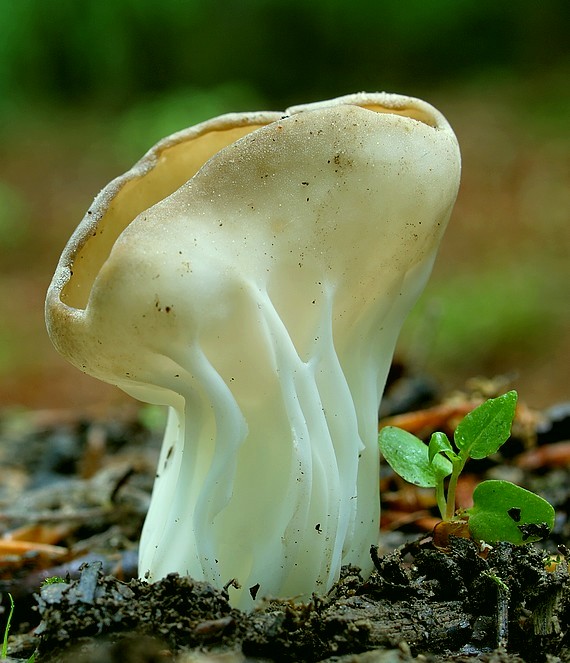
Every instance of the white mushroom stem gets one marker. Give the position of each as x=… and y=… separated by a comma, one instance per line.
x=312, y=422
x=261, y=301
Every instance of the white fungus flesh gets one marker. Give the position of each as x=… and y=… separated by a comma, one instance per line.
x=252, y=273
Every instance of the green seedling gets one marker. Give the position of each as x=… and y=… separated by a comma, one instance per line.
x=4, y=650
x=7, y=628
x=501, y=510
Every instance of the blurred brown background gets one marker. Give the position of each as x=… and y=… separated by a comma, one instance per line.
x=86, y=88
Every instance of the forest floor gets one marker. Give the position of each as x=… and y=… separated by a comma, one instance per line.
x=75, y=490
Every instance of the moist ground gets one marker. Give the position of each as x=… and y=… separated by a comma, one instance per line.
x=74, y=494
x=452, y=605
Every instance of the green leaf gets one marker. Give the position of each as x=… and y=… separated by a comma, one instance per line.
x=487, y=427
x=503, y=511
x=439, y=443
x=408, y=456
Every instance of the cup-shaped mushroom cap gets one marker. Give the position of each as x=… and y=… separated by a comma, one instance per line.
x=253, y=273
x=347, y=196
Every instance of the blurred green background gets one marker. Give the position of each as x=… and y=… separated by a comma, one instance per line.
x=87, y=87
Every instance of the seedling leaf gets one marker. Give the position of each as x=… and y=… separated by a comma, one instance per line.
x=439, y=443
x=503, y=511
x=487, y=427
x=408, y=456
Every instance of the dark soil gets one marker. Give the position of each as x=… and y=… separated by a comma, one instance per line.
x=434, y=602
x=77, y=488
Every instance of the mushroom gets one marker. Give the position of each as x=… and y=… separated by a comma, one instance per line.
x=252, y=273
